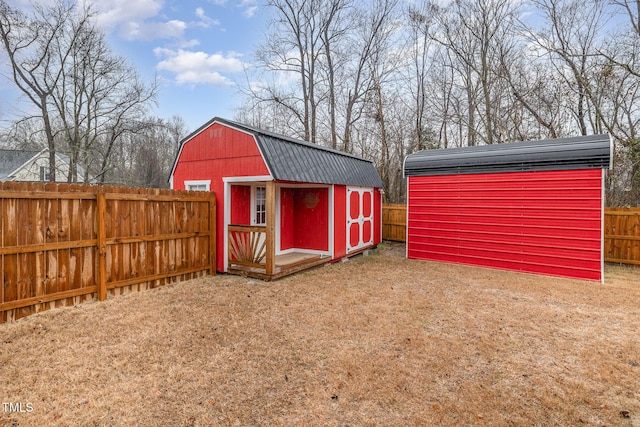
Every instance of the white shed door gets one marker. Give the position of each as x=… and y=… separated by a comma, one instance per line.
x=359, y=218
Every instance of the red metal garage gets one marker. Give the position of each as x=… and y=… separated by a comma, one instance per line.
x=534, y=206
x=283, y=204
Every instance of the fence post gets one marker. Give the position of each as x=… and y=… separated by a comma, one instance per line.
x=212, y=234
x=101, y=218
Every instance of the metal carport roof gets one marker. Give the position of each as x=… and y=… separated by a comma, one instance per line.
x=581, y=152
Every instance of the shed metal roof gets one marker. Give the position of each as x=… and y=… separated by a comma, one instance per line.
x=291, y=159
x=581, y=152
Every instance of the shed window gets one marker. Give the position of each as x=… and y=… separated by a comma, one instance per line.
x=200, y=185
x=260, y=206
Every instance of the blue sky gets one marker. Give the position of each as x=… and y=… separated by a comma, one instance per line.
x=197, y=49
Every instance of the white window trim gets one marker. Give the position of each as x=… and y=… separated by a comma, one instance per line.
x=254, y=207
x=205, y=182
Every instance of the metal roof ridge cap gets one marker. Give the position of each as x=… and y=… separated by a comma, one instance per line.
x=529, y=145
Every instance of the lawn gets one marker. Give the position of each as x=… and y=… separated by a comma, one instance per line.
x=377, y=340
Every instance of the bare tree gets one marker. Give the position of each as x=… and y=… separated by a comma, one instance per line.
x=464, y=72
x=602, y=75
x=570, y=35
x=37, y=46
x=84, y=93
x=623, y=49
x=99, y=98
x=372, y=32
x=335, y=26
x=177, y=130
x=293, y=48
x=382, y=63
x=145, y=158
x=475, y=31
x=419, y=45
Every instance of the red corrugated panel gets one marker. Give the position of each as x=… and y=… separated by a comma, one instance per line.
x=540, y=222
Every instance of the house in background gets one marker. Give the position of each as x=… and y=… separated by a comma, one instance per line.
x=27, y=165
x=534, y=206
x=283, y=204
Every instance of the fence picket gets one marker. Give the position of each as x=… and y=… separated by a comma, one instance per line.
x=62, y=244
x=622, y=235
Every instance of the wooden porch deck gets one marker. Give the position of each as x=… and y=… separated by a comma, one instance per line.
x=285, y=265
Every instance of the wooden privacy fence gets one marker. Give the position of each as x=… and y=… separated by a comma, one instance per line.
x=62, y=244
x=394, y=222
x=621, y=231
x=622, y=235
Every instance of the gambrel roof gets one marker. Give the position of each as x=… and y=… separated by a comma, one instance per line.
x=291, y=159
x=580, y=152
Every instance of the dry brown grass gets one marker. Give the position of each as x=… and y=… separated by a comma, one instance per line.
x=379, y=340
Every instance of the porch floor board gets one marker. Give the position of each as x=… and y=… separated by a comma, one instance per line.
x=286, y=264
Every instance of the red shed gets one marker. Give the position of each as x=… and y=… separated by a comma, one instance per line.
x=283, y=204
x=535, y=206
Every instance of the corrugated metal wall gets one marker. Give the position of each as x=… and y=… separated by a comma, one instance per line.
x=540, y=222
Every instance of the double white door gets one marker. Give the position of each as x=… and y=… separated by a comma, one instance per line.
x=359, y=218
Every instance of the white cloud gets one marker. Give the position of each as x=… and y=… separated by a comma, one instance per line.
x=113, y=13
x=205, y=21
x=136, y=19
x=250, y=7
x=192, y=67
x=251, y=11
x=189, y=43
x=152, y=30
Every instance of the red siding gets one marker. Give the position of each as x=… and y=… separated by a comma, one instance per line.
x=311, y=223
x=241, y=204
x=286, y=218
x=377, y=216
x=304, y=220
x=214, y=153
x=538, y=222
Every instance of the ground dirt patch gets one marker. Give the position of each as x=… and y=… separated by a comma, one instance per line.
x=377, y=340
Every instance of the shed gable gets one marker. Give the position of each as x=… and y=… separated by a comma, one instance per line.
x=218, y=148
